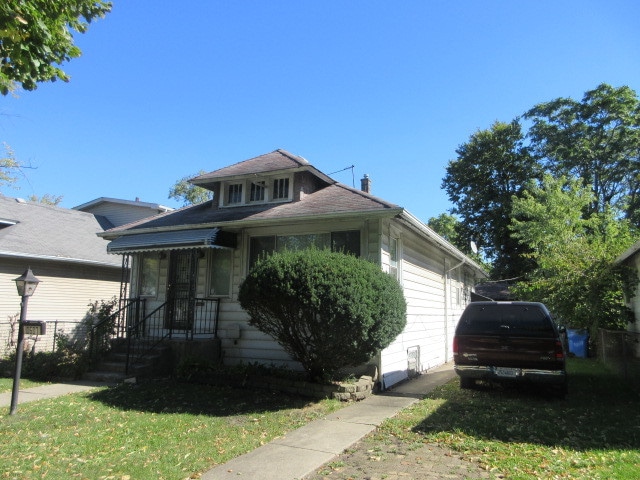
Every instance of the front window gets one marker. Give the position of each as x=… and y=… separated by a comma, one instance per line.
x=346, y=242
x=220, y=272
x=149, y=269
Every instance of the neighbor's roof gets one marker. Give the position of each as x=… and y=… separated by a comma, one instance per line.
x=38, y=231
x=133, y=203
x=628, y=253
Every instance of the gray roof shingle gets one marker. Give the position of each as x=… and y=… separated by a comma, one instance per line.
x=54, y=233
x=332, y=200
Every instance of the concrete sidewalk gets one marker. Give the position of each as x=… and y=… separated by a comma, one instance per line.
x=50, y=390
x=302, y=451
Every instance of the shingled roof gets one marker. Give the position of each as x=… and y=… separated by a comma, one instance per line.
x=277, y=161
x=35, y=230
x=334, y=200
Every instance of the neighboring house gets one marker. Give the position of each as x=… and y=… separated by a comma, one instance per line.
x=631, y=258
x=61, y=248
x=188, y=264
x=119, y=212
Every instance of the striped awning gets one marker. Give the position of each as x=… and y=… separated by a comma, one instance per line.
x=176, y=240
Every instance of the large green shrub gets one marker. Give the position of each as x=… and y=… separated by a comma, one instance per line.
x=327, y=310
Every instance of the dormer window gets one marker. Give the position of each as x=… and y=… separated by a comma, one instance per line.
x=281, y=189
x=257, y=191
x=235, y=193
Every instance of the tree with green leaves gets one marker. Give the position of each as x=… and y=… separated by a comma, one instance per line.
x=46, y=199
x=189, y=193
x=492, y=168
x=36, y=38
x=596, y=140
x=328, y=310
x=450, y=228
x=8, y=167
x=575, y=275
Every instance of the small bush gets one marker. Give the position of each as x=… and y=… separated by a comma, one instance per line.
x=327, y=310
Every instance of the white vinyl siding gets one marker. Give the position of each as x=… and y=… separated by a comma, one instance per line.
x=430, y=320
x=119, y=214
x=63, y=295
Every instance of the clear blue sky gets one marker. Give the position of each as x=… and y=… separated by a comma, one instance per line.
x=166, y=88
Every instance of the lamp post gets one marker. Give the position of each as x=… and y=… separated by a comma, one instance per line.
x=26, y=284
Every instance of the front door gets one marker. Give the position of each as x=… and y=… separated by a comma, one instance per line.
x=181, y=290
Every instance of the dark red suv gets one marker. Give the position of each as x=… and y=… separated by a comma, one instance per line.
x=509, y=342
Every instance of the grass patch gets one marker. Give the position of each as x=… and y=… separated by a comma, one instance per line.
x=521, y=433
x=154, y=430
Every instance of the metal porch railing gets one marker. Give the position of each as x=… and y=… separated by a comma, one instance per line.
x=180, y=319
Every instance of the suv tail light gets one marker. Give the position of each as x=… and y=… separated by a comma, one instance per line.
x=455, y=345
x=559, y=350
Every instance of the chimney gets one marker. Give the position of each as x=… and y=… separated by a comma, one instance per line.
x=365, y=184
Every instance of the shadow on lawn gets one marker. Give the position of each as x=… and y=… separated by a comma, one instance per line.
x=600, y=412
x=166, y=396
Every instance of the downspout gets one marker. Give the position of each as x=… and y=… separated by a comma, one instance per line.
x=446, y=310
x=447, y=299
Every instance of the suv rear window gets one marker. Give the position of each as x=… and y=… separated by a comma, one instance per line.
x=520, y=320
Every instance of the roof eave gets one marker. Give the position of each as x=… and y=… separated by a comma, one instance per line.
x=387, y=213
x=198, y=181
x=441, y=242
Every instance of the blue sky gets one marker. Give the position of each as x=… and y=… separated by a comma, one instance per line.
x=165, y=89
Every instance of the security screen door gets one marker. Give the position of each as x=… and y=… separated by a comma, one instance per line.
x=181, y=289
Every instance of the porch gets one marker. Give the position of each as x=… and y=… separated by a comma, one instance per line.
x=133, y=339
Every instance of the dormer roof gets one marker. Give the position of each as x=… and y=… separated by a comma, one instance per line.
x=276, y=162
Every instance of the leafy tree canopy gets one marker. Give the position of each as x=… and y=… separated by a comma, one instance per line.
x=596, y=140
x=491, y=168
x=327, y=310
x=575, y=275
x=450, y=228
x=36, y=38
x=189, y=193
x=8, y=167
x=46, y=199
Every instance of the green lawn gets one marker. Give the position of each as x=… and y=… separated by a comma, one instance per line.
x=593, y=434
x=167, y=430
x=160, y=430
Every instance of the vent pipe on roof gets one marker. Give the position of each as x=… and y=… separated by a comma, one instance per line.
x=365, y=184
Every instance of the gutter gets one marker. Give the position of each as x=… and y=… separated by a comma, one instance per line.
x=60, y=259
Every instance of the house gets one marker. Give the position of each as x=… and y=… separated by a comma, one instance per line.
x=187, y=265
x=119, y=212
x=631, y=258
x=61, y=247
